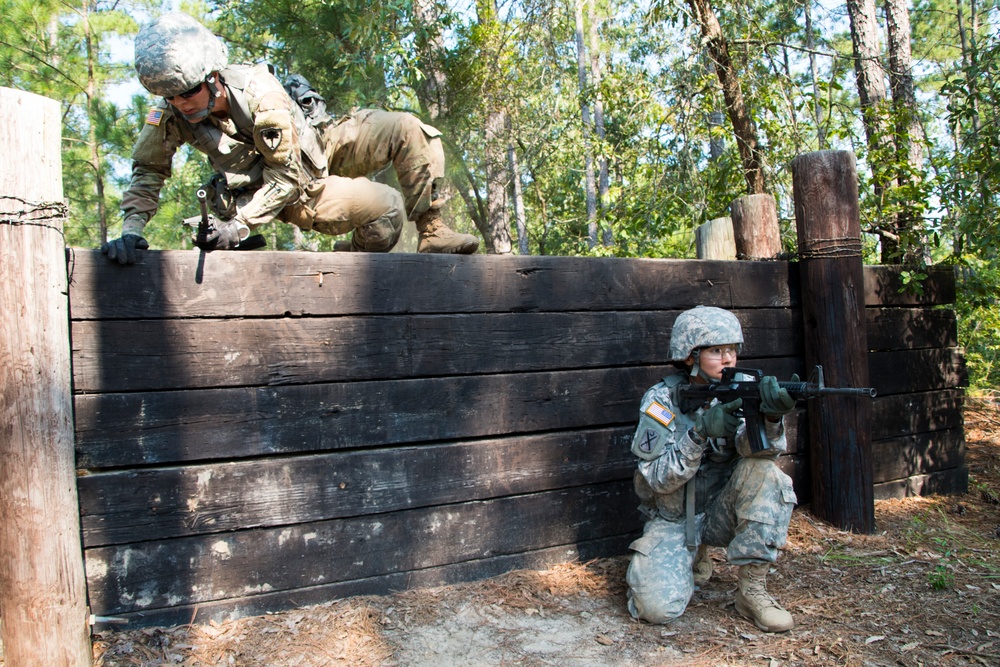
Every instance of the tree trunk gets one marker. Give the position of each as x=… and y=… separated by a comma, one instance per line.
x=908, y=131
x=602, y=162
x=434, y=86
x=498, y=242
x=739, y=115
x=519, y=216
x=814, y=70
x=874, y=112
x=93, y=110
x=590, y=186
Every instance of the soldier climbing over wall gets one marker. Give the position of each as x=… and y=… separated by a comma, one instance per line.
x=270, y=160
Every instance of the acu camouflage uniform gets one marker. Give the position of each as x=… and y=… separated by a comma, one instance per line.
x=272, y=161
x=258, y=180
x=717, y=493
x=366, y=141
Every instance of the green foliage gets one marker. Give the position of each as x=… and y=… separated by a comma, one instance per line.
x=941, y=578
x=658, y=91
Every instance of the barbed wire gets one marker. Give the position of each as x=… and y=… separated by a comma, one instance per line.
x=32, y=214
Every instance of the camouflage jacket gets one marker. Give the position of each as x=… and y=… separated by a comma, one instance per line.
x=669, y=457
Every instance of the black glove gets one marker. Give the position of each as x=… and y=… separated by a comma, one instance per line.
x=123, y=249
x=221, y=235
x=719, y=421
x=775, y=401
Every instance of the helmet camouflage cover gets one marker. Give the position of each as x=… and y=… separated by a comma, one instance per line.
x=703, y=326
x=174, y=53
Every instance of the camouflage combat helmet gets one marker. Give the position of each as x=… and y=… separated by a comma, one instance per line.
x=703, y=326
x=174, y=53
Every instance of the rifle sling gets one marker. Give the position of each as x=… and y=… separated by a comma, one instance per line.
x=690, y=526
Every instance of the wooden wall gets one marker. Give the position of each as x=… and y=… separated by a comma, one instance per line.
x=263, y=430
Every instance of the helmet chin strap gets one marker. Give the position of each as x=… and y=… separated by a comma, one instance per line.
x=696, y=370
x=696, y=366
x=213, y=93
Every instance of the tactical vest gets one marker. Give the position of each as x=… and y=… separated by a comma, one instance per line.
x=236, y=157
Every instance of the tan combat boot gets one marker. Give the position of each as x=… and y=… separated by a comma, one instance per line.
x=702, y=566
x=435, y=236
x=754, y=602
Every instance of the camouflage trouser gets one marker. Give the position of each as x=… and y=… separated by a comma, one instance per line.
x=365, y=142
x=373, y=211
x=749, y=517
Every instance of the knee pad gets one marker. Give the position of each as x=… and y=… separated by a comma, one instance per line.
x=380, y=235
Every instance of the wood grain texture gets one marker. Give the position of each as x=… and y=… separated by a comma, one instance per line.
x=825, y=193
x=42, y=587
x=149, y=355
x=200, y=569
x=159, y=503
x=269, y=284
x=470, y=570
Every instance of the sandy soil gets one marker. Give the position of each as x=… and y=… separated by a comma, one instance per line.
x=924, y=590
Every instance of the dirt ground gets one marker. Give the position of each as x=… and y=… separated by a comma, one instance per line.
x=924, y=590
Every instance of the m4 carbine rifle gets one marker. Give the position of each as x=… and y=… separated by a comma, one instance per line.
x=728, y=389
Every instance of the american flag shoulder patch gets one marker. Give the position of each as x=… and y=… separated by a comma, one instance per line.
x=660, y=413
x=154, y=117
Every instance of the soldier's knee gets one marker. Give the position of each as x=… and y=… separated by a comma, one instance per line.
x=653, y=609
x=378, y=236
x=659, y=586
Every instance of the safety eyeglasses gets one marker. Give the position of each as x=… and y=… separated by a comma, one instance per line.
x=720, y=351
x=188, y=94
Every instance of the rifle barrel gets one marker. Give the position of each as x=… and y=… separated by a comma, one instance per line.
x=810, y=390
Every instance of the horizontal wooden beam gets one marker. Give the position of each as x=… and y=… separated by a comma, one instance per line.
x=204, y=568
x=159, y=503
x=471, y=570
x=149, y=355
x=168, y=283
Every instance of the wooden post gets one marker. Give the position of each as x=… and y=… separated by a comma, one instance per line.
x=755, y=227
x=42, y=582
x=825, y=190
x=714, y=240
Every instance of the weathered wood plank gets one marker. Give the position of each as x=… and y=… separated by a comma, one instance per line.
x=120, y=430
x=918, y=454
x=884, y=287
x=42, y=588
x=199, y=569
x=263, y=283
x=160, y=503
x=905, y=414
x=473, y=570
x=907, y=371
x=910, y=328
x=227, y=424
x=147, y=355
x=944, y=482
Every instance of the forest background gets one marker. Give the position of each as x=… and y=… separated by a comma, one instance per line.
x=591, y=127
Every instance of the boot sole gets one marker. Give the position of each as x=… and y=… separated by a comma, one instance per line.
x=745, y=613
x=466, y=249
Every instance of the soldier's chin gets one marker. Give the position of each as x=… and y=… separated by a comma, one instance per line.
x=197, y=116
